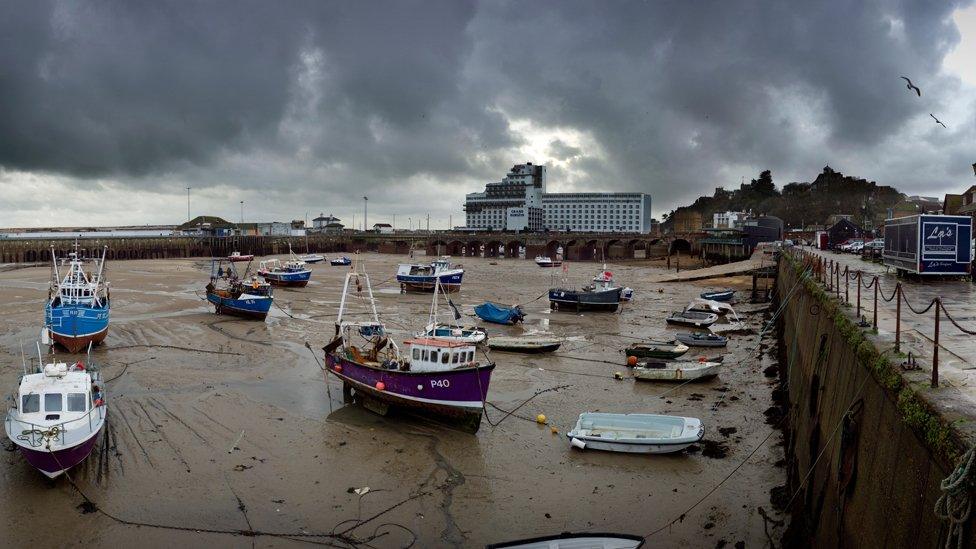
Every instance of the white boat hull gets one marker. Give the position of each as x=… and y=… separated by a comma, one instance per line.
x=705, y=370
x=590, y=444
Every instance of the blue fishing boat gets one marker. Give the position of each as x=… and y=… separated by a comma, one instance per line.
x=423, y=278
x=719, y=295
x=77, y=309
x=293, y=272
x=233, y=295
x=491, y=312
x=338, y=261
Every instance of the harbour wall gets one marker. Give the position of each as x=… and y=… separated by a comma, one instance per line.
x=866, y=444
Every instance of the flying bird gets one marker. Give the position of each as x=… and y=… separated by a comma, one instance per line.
x=937, y=121
x=912, y=86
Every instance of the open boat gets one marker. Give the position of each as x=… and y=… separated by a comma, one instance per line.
x=681, y=370
x=692, y=318
x=635, y=433
x=531, y=344
x=702, y=339
x=656, y=350
x=312, y=258
x=340, y=261
x=498, y=314
x=238, y=256
x=59, y=413
x=709, y=306
x=449, y=332
x=567, y=540
x=546, y=261
x=719, y=295
x=423, y=278
x=77, y=309
x=237, y=296
x=292, y=272
x=434, y=377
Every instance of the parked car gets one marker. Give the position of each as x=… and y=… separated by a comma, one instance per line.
x=857, y=247
x=876, y=244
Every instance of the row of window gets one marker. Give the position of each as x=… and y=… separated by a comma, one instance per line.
x=446, y=357
x=53, y=402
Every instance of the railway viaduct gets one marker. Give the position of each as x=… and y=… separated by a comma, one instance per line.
x=575, y=246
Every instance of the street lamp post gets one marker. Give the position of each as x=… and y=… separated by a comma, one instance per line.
x=188, y=203
x=365, y=202
x=242, y=214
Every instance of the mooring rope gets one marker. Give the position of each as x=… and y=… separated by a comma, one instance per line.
x=955, y=504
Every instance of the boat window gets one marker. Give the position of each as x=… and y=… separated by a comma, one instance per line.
x=426, y=355
x=30, y=404
x=470, y=356
x=77, y=402
x=433, y=356
x=445, y=357
x=456, y=357
x=416, y=354
x=52, y=402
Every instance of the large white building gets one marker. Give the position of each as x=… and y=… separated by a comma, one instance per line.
x=728, y=220
x=520, y=202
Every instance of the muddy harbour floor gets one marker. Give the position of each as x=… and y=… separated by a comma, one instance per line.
x=209, y=411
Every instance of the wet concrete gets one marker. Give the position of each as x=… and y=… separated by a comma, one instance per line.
x=212, y=409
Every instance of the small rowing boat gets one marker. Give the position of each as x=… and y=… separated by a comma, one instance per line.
x=682, y=370
x=719, y=295
x=312, y=258
x=546, y=261
x=702, y=339
x=709, y=306
x=567, y=540
x=340, y=261
x=524, y=344
x=692, y=318
x=635, y=433
x=656, y=350
x=238, y=256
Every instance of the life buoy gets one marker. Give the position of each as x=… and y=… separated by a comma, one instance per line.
x=255, y=284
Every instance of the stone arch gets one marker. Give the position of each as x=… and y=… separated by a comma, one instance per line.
x=680, y=245
x=491, y=248
x=473, y=249
x=591, y=250
x=454, y=248
x=638, y=248
x=553, y=248
x=512, y=249
x=615, y=248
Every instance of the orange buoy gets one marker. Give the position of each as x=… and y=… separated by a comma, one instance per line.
x=380, y=386
x=632, y=361
x=337, y=367
x=702, y=359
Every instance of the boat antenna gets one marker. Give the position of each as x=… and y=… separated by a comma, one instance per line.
x=23, y=358
x=88, y=354
x=40, y=358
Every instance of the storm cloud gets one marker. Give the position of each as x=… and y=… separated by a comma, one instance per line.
x=300, y=106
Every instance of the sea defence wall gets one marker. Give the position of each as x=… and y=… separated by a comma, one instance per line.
x=868, y=444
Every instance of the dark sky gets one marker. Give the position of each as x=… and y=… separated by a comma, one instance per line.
x=108, y=110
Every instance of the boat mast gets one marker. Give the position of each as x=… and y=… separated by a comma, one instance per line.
x=54, y=266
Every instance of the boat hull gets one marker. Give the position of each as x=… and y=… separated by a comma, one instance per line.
x=449, y=282
x=255, y=307
x=75, y=326
x=454, y=395
x=294, y=280
x=629, y=448
x=702, y=342
x=54, y=463
x=239, y=258
x=644, y=353
x=718, y=296
x=340, y=262
x=529, y=349
x=693, y=373
x=572, y=300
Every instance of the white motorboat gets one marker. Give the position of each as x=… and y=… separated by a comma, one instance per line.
x=447, y=332
x=681, y=370
x=546, y=261
x=312, y=258
x=635, y=433
x=692, y=318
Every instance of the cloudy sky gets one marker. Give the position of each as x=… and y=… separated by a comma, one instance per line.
x=109, y=110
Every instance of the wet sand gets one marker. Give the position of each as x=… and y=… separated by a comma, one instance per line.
x=193, y=382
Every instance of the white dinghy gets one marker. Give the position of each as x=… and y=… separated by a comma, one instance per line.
x=568, y=540
x=682, y=370
x=635, y=433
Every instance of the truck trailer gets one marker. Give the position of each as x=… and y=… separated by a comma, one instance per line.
x=929, y=244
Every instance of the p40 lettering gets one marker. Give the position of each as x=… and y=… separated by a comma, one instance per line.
x=440, y=383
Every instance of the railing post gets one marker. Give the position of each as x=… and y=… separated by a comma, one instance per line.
x=875, y=321
x=935, y=350
x=858, y=313
x=837, y=285
x=847, y=284
x=898, y=317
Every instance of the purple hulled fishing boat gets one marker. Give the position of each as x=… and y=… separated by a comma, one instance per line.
x=434, y=377
x=59, y=413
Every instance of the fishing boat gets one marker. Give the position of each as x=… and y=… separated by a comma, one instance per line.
x=635, y=433
x=448, y=332
x=422, y=278
x=601, y=295
x=681, y=370
x=692, y=318
x=710, y=306
x=546, y=261
x=567, y=540
x=311, y=259
x=340, y=261
x=719, y=295
x=237, y=296
x=77, y=309
x=702, y=339
x=291, y=272
x=498, y=314
x=530, y=344
x=59, y=413
x=656, y=350
x=433, y=377
x=238, y=256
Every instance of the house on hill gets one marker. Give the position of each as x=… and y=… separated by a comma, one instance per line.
x=207, y=225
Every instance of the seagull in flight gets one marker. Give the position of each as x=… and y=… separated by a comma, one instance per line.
x=937, y=121
x=912, y=86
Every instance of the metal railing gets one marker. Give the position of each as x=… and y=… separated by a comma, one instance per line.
x=829, y=273
x=36, y=435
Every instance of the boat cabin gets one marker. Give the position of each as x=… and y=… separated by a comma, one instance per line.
x=278, y=266
x=58, y=394
x=437, y=355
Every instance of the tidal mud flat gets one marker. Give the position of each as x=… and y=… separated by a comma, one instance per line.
x=209, y=414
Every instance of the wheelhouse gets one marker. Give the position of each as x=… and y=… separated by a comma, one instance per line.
x=433, y=355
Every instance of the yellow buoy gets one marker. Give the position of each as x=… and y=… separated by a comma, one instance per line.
x=554, y=430
x=618, y=375
x=541, y=418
